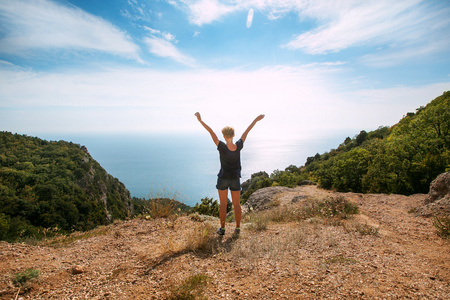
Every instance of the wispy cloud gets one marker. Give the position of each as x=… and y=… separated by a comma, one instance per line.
x=138, y=11
x=161, y=43
x=399, y=27
x=164, y=48
x=30, y=25
x=250, y=18
x=368, y=23
x=164, y=34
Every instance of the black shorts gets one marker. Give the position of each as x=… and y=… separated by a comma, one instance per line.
x=232, y=184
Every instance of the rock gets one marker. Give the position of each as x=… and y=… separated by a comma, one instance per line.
x=437, y=202
x=438, y=208
x=259, y=199
x=202, y=218
x=439, y=188
x=76, y=270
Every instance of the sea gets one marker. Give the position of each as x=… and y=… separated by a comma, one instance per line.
x=185, y=167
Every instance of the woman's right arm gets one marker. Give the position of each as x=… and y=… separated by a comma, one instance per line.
x=211, y=132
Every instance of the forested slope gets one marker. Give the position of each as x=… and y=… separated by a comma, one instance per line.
x=54, y=186
x=402, y=159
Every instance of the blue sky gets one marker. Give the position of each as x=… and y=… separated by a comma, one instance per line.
x=314, y=67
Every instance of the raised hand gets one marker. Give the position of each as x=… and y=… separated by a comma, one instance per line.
x=197, y=114
x=259, y=118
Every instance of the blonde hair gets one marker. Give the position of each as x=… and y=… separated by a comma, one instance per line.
x=228, y=131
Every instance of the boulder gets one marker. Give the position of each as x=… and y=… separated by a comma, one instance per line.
x=439, y=188
x=437, y=202
x=262, y=197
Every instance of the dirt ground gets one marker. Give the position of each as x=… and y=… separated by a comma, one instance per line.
x=384, y=252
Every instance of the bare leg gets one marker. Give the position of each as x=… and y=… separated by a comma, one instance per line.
x=223, y=197
x=236, y=198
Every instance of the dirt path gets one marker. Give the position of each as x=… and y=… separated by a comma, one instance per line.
x=146, y=259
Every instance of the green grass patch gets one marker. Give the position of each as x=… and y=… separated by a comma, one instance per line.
x=26, y=276
x=340, y=259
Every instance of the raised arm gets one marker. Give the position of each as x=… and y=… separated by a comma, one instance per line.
x=244, y=135
x=211, y=132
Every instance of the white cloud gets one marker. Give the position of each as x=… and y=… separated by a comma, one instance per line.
x=166, y=35
x=163, y=48
x=249, y=18
x=205, y=11
x=393, y=55
x=368, y=23
x=30, y=25
x=139, y=12
x=399, y=27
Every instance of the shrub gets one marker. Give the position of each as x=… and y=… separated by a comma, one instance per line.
x=25, y=276
x=201, y=238
x=208, y=207
x=258, y=222
x=257, y=181
x=162, y=208
x=285, y=178
x=443, y=226
x=277, y=214
x=330, y=207
x=366, y=229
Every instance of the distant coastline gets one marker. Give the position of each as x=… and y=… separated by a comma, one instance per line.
x=185, y=166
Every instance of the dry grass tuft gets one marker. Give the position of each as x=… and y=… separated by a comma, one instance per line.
x=337, y=208
x=362, y=228
x=66, y=240
x=198, y=237
x=162, y=208
x=258, y=221
x=192, y=288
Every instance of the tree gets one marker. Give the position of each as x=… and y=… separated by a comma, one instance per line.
x=208, y=206
x=361, y=137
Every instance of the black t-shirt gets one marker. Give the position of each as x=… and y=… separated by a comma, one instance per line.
x=230, y=161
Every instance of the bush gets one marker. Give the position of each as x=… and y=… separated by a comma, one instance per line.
x=443, y=226
x=162, y=208
x=208, y=207
x=330, y=207
x=257, y=181
x=286, y=178
x=25, y=276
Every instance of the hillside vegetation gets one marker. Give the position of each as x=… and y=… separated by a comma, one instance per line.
x=402, y=159
x=49, y=186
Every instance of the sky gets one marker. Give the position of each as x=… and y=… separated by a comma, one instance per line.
x=313, y=67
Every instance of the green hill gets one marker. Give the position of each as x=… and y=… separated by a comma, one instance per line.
x=402, y=159
x=50, y=186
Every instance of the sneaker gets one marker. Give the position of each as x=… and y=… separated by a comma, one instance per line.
x=220, y=231
x=237, y=231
